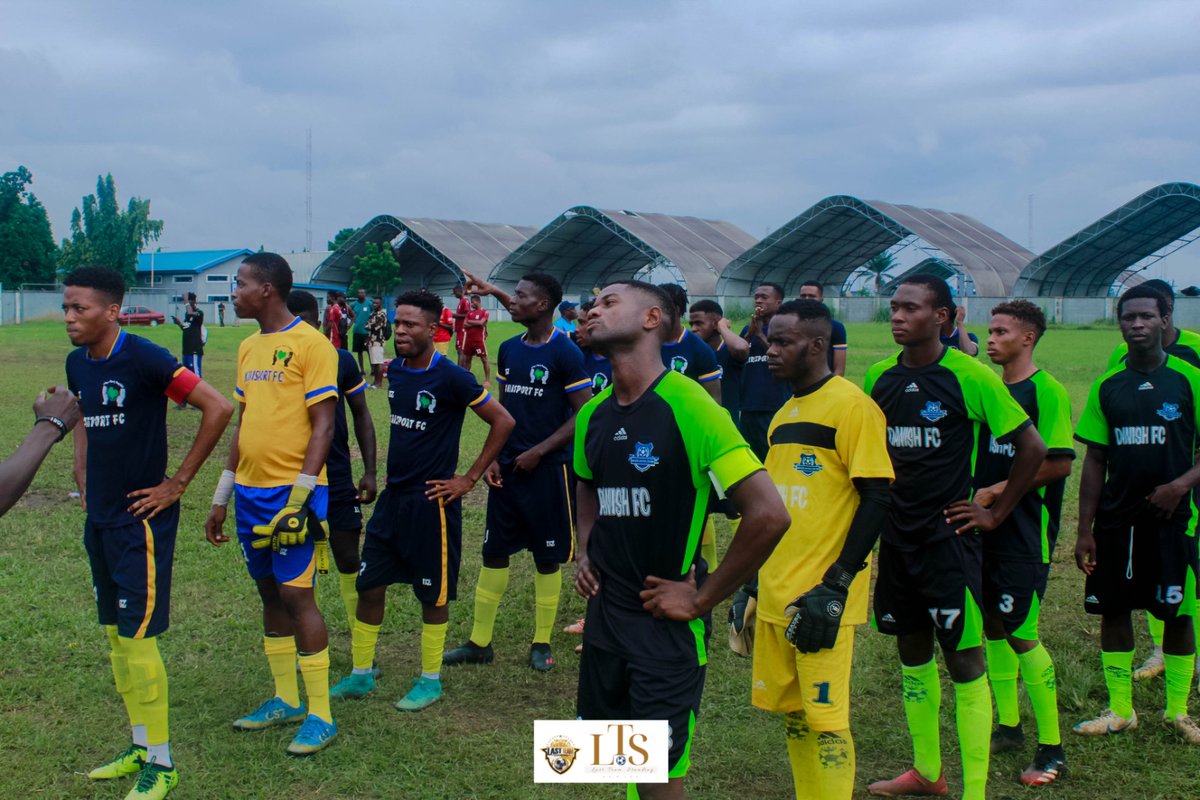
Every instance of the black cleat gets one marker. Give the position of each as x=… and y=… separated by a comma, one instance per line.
x=1049, y=764
x=469, y=653
x=1006, y=739
x=540, y=657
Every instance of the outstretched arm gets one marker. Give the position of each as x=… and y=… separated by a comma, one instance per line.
x=17, y=472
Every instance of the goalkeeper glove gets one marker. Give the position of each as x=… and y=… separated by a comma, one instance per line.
x=292, y=523
x=817, y=614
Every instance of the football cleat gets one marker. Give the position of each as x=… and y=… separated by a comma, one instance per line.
x=1007, y=739
x=269, y=714
x=469, y=653
x=1152, y=667
x=128, y=763
x=1106, y=723
x=576, y=628
x=154, y=783
x=540, y=658
x=1049, y=764
x=353, y=685
x=425, y=692
x=314, y=735
x=1186, y=727
x=910, y=783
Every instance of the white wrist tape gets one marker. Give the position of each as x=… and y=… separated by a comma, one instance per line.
x=306, y=481
x=224, y=489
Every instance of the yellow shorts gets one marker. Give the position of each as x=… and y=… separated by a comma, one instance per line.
x=818, y=684
x=442, y=347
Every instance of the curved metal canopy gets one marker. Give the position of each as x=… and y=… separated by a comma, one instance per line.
x=586, y=247
x=830, y=240
x=1150, y=226
x=930, y=266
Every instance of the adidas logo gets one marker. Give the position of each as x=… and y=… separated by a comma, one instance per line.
x=620, y=435
x=795, y=413
x=1145, y=386
x=912, y=387
x=1091, y=598
x=887, y=618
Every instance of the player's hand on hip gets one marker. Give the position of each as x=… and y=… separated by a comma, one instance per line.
x=367, y=490
x=967, y=515
x=1165, y=498
x=289, y=526
x=58, y=402
x=529, y=460
x=671, y=599
x=449, y=489
x=1085, y=552
x=586, y=582
x=816, y=618
x=213, y=525
x=149, y=503
x=491, y=476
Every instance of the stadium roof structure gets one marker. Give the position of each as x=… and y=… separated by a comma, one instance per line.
x=586, y=247
x=1149, y=227
x=186, y=260
x=829, y=241
x=432, y=253
x=930, y=266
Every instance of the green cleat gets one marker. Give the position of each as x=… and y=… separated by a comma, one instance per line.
x=314, y=735
x=154, y=783
x=269, y=714
x=425, y=692
x=469, y=653
x=353, y=685
x=128, y=763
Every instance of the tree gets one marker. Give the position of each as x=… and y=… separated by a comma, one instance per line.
x=27, y=251
x=376, y=269
x=341, y=236
x=879, y=266
x=103, y=234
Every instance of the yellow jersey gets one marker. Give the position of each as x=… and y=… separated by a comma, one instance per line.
x=820, y=441
x=279, y=375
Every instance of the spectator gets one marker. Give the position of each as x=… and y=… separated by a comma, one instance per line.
x=221, y=314
x=360, y=311
x=377, y=332
x=567, y=315
x=192, y=326
x=333, y=320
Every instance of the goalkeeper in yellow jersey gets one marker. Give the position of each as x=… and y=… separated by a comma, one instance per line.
x=828, y=459
x=287, y=385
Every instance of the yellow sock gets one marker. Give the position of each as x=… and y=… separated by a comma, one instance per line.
x=346, y=581
x=148, y=689
x=546, y=591
x=314, y=669
x=835, y=763
x=802, y=753
x=281, y=655
x=708, y=545
x=433, y=643
x=492, y=583
x=362, y=643
x=120, y=669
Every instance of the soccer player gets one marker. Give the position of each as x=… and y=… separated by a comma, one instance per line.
x=687, y=353
x=460, y=318
x=829, y=462
x=287, y=385
x=644, y=452
x=345, y=499
x=955, y=334
x=475, y=333
x=448, y=326
x=813, y=290
x=122, y=383
x=333, y=320
x=360, y=312
x=1137, y=517
x=541, y=384
x=192, y=326
x=707, y=320
x=415, y=535
x=55, y=413
x=596, y=365
x=762, y=395
x=937, y=401
x=1016, y=555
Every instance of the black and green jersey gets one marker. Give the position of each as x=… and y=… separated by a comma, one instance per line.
x=1147, y=423
x=650, y=464
x=934, y=417
x=1185, y=348
x=1030, y=532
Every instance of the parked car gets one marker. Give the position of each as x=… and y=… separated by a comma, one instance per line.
x=140, y=315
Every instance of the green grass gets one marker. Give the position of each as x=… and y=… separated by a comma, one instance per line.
x=60, y=715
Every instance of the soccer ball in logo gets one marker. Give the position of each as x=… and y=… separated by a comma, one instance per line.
x=281, y=355
x=560, y=754
x=539, y=373
x=112, y=393
x=679, y=364
x=426, y=401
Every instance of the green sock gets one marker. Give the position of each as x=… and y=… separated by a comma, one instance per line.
x=1002, y=669
x=546, y=591
x=1179, y=671
x=973, y=715
x=1041, y=684
x=922, y=695
x=1118, y=677
x=1156, y=629
x=492, y=584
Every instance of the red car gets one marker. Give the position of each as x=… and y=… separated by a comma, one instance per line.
x=140, y=315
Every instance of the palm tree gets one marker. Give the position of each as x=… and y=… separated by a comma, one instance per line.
x=879, y=266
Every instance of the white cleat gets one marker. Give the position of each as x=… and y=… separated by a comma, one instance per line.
x=1107, y=723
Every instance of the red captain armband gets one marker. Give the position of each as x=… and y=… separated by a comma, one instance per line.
x=181, y=384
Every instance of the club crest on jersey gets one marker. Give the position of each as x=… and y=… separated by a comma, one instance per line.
x=282, y=355
x=599, y=382
x=679, y=364
x=560, y=754
x=643, y=457
x=112, y=392
x=539, y=373
x=808, y=465
x=1169, y=412
x=933, y=411
x=426, y=401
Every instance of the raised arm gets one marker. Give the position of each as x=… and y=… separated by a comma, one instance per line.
x=17, y=472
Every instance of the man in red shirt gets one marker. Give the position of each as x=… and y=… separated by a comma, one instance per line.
x=475, y=338
x=460, y=317
x=333, y=318
x=441, y=334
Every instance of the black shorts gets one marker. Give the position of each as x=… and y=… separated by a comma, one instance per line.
x=532, y=511
x=611, y=687
x=936, y=586
x=345, y=514
x=412, y=539
x=1150, y=565
x=754, y=427
x=1013, y=591
x=359, y=342
x=131, y=573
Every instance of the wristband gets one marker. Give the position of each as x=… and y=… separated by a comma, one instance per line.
x=56, y=422
x=224, y=489
x=838, y=577
x=306, y=481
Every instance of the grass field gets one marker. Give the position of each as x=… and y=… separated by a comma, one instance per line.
x=60, y=714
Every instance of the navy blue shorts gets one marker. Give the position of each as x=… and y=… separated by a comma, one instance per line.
x=345, y=514
x=294, y=566
x=532, y=511
x=412, y=539
x=131, y=573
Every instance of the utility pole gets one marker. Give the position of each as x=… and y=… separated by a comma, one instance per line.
x=308, y=195
x=1031, y=222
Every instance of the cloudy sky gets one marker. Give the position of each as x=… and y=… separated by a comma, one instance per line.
x=513, y=111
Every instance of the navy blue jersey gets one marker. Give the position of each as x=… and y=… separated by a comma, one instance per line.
x=760, y=391
x=731, y=381
x=598, y=368
x=837, y=341
x=337, y=464
x=427, y=408
x=691, y=356
x=536, y=381
x=124, y=402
